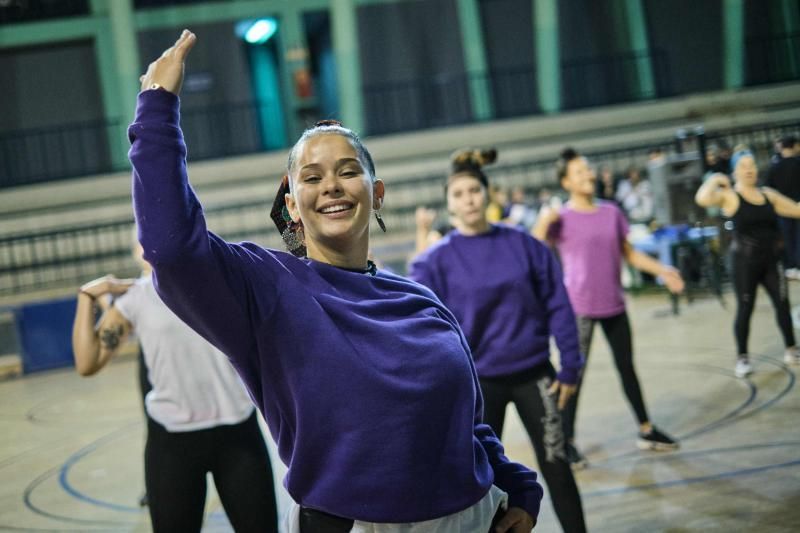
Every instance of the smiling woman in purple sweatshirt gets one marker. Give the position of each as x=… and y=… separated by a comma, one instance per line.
x=505, y=289
x=364, y=378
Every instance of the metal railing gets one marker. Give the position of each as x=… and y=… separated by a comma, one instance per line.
x=773, y=59
x=12, y=11
x=614, y=79
x=82, y=149
x=71, y=256
x=47, y=154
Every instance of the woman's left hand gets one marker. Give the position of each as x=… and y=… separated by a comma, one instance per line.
x=516, y=520
x=564, y=391
x=673, y=280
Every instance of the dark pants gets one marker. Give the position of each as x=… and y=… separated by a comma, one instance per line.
x=542, y=420
x=754, y=264
x=790, y=229
x=176, y=464
x=617, y=330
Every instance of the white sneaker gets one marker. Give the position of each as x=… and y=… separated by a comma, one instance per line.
x=792, y=273
x=792, y=356
x=743, y=368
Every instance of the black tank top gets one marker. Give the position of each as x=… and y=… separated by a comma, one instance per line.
x=758, y=223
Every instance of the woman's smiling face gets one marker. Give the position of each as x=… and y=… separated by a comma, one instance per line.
x=333, y=193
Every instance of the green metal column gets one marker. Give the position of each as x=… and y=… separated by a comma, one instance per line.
x=733, y=43
x=294, y=61
x=117, y=52
x=344, y=29
x=790, y=13
x=548, y=56
x=474, y=50
x=633, y=13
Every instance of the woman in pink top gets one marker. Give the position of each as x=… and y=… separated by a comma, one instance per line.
x=591, y=237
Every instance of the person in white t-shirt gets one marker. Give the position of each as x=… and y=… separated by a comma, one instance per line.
x=199, y=416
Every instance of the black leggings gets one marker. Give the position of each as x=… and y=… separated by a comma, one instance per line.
x=753, y=265
x=617, y=330
x=539, y=414
x=175, y=467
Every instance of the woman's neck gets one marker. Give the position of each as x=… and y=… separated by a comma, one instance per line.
x=581, y=202
x=353, y=257
x=742, y=187
x=470, y=230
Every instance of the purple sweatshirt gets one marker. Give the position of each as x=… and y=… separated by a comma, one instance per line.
x=506, y=291
x=366, y=382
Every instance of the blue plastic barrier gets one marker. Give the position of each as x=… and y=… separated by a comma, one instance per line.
x=44, y=332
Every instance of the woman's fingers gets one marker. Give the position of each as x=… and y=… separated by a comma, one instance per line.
x=183, y=45
x=167, y=70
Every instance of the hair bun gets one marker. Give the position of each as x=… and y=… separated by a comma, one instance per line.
x=327, y=122
x=569, y=153
x=473, y=157
x=486, y=157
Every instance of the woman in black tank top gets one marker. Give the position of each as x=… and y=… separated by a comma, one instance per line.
x=756, y=249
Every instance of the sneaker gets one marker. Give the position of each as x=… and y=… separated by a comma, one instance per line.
x=792, y=274
x=143, y=501
x=575, y=458
x=743, y=368
x=657, y=441
x=792, y=356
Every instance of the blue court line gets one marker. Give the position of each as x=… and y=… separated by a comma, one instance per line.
x=724, y=419
x=80, y=454
x=735, y=415
x=36, y=510
x=690, y=481
x=730, y=415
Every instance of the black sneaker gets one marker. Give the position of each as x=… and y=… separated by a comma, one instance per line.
x=656, y=441
x=575, y=458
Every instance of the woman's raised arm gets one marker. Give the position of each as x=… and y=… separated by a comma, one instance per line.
x=202, y=279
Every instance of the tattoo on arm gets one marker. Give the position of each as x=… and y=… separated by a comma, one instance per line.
x=110, y=337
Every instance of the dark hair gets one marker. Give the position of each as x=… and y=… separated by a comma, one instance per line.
x=332, y=127
x=788, y=141
x=471, y=161
x=567, y=154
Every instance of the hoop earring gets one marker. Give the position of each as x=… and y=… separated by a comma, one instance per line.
x=381, y=224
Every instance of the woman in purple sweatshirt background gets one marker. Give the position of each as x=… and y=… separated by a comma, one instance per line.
x=364, y=378
x=505, y=289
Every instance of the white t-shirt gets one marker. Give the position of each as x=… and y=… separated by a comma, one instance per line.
x=194, y=385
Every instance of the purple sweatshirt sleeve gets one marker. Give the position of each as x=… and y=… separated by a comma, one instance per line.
x=560, y=317
x=202, y=278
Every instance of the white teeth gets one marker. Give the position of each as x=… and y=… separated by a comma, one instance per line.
x=335, y=208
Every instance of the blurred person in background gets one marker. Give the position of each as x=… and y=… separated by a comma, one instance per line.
x=591, y=238
x=756, y=250
x=784, y=177
x=199, y=416
x=607, y=185
x=520, y=212
x=497, y=208
x=636, y=197
x=506, y=290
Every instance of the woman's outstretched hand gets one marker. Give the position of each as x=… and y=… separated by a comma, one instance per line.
x=167, y=71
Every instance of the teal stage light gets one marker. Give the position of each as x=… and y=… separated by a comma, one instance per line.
x=257, y=31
